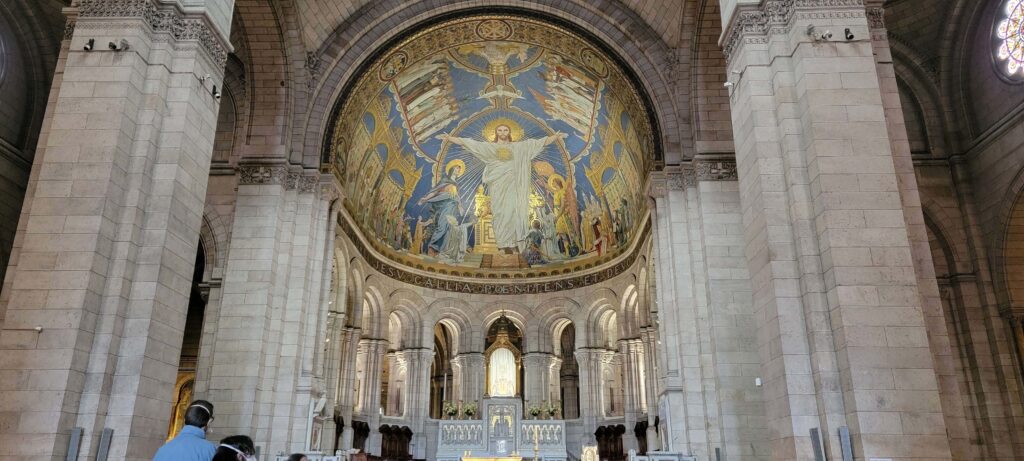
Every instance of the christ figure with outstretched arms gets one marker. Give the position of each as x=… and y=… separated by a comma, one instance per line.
x=507, y=175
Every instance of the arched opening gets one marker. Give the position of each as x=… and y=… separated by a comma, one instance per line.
x=394, y=370
x=395, y=442
x=611, y=369
x=569, y=373
x=189, y=347
x=609, y=442
x=441, y=378
x=504, y=359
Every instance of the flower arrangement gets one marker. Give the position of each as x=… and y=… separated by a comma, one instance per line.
x=534, y=410
x=551, y=409
x=450, y=408
x=469, y=409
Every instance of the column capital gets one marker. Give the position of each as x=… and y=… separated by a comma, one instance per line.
x=259, y=174
x=675, y=177
x=754, y=23
x=715, y=168
x=304, y=181
x=167, y=18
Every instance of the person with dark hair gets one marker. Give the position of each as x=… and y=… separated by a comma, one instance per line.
x=298, y=457
x=190, y=444
x=235, y=448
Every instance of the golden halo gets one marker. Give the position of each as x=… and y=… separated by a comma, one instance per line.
x=513, y=126
x=453, y=164
x=551, y=182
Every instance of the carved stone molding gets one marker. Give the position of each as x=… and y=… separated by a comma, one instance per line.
x=313, y=67
x=262, y=174
x=329, y=192
x=291, y=181
x=715, y=170
x=308, y=183
x=69, y=28
x=876, y=18
x=754, y=24
x=675, y=178
x=161, y=18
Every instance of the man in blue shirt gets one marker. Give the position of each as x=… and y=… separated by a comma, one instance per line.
x=190, y=444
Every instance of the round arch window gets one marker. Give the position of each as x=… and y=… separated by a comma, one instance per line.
x=1010, y=37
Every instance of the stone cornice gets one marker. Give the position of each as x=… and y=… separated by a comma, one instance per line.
x=755, y=23
x=161, y=18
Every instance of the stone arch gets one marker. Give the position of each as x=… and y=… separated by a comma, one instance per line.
x=998, y=257
x=547, y=326
x=630, y=317
x=601, y=317
x=709, y=113
x=215, y=234
x=374, y=320
x=35, y=40
x=950, y=227
x=408, y=304
x=268, y=72
x=232, y=120
x=1002, y=264
x=955, y=71
x=919, y=81
x=943, y=254
x=452, y=312
x=517, y=313
x=643, y=288
x=357, y=41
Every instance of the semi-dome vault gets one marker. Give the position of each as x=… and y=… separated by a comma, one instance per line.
x=494, y=146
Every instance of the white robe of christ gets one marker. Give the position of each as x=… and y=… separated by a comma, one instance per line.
x=508, y=174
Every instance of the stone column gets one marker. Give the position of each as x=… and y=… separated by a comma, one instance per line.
x=631, y=357
x=373, y=350
x=95, y=296
x=733, y=402
x=396, y=362
x=840, y=329
x=553, y=371
x=348, y=384
x=569, y=389
x=335, y=350
x=470, y=366
x=648, y=335
x=590, y=361
x=612, y=384
x=535, y=364
x=268, y=325
x=418, y=397
x=681, y=373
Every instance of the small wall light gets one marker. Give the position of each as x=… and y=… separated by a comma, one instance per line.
x=121, y=45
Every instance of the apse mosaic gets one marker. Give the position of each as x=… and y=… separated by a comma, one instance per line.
x=494, y=143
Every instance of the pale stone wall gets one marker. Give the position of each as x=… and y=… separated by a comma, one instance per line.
x=814, y=270
x=108, y=240
x=822, y=193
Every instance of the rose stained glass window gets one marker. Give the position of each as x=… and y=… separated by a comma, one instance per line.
x=1010, y=33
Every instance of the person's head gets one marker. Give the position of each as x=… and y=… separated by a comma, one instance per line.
x=502, y=133
x=536, y=224
x=199, y=414
x=235, y=448
x=298, y=457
